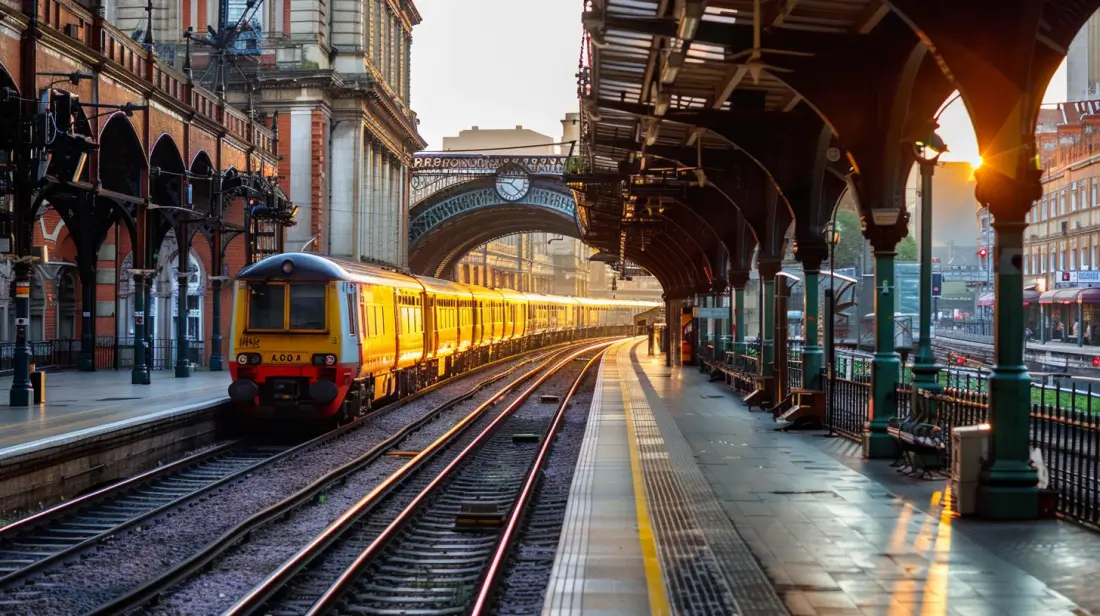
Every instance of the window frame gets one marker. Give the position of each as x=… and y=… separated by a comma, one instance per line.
x=286, y=329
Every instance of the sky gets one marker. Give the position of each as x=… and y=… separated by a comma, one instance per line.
x=495, y=64
x=506, y=63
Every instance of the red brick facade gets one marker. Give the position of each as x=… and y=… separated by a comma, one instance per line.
x=191, y=119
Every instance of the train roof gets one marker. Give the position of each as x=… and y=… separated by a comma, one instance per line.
x=550, y=299
x=305, y=266
x=445, y=287
x=512, y=295
x=486, y=293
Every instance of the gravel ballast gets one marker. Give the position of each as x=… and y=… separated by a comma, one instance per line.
x=125, y=561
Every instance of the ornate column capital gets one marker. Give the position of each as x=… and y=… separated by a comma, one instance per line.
x=885, y=238
x=1008, y=198
x=811, y=252
x=768, y=269
x=738, y=279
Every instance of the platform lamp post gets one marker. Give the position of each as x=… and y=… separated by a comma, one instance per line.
x=927, y=150
x=832, y=238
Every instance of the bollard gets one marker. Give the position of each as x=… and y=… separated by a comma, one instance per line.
x=38, y=383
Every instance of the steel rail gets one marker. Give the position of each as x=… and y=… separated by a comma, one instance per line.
x=152, y=589
x=258, y=595
x=41, y=520
x=504, y=546
x=353, y=571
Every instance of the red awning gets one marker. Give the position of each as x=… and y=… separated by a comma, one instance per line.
x=1031, y=296
x=1075, y=295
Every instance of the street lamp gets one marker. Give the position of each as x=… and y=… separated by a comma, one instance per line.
x=832, y=238
x=927, y=150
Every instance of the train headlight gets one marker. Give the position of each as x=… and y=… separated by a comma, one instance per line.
x=288, y=267
x=242, y=359
x=246, y=359
x=324, y=359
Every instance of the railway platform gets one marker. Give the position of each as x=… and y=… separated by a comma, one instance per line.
x=80, y=405
x=684, y=501
x=96, y=428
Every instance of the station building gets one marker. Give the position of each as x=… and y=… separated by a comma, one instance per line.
x=336, y=94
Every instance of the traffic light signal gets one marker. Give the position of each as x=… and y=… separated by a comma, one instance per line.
x=983, y=253
x=937, y=285
x=1065, y=276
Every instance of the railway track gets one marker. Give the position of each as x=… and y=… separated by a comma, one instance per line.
x=404, y=530
x=386, y=460
x=65, y=532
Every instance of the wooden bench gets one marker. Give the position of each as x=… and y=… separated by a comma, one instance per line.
x=761, y=394
x=806, y=412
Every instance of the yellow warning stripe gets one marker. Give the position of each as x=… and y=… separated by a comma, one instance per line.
x=655, y=581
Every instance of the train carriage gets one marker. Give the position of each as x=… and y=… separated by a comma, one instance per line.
x=315, y=337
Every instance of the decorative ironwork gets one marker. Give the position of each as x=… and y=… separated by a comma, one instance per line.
x=488, y=164
x=558, y=202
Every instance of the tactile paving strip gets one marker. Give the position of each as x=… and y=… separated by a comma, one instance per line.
x=695, y=581
x=708, y=566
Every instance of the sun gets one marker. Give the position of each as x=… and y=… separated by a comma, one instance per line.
x=976, y=164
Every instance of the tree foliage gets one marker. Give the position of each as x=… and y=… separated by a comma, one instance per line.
x=851, y=238
x=907, y=250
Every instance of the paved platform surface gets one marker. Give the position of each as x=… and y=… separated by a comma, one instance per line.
x=79, y=404
x=644, y=532
x=839, y=535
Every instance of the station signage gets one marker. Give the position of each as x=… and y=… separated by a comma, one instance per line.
x=1064, y=279
x=712, y=313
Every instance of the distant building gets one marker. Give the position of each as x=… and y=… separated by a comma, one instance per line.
x=1083, y=63
x=1062, y=242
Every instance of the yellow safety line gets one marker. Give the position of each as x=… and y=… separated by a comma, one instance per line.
x=655, y=581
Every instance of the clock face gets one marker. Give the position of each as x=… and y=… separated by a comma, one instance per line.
x=513, y=184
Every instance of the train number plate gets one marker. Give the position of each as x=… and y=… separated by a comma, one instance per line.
x=284, y=358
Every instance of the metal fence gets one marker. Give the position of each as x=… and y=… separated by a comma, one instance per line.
x=969, y=327
x=110, y=353
x=794, y=367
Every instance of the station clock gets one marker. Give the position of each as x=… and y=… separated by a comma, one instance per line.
x=512, y=183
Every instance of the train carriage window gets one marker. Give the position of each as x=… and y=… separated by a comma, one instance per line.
x=266, y=306
x=307, y=306
x=353, y=317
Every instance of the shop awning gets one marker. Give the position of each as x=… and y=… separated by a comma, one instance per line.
x=1073, y=295
x=1031, y=296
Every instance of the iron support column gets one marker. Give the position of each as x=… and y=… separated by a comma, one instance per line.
x=183, y=265
x=768, y=270
x=139, y=375
x=217, y=362
x=812, y=353
x=926, y=373
x=1007, y=486
x=85, y=361
x=21, y=392
x=886, y=365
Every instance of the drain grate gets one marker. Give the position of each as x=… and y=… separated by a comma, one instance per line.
x=711, y=396
x=115, y=399
x=789, y=492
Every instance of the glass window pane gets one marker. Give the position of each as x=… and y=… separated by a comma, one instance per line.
x=307, y=306
x=265, y=306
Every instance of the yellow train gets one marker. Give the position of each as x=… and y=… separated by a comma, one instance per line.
x=315, y=337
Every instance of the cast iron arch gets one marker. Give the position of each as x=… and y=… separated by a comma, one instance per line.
x=465, y=202
x=444, y=245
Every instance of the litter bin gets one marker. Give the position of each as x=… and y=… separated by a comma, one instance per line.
x=38, y=383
